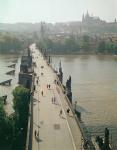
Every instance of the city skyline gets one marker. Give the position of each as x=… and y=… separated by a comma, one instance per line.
x=52, y=11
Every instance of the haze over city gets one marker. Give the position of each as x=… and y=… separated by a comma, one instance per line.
x=55, y=10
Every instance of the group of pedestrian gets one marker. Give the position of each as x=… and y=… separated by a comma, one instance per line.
x=56, y=82
x=48, y=86
x=61, y=112
x=54, y=100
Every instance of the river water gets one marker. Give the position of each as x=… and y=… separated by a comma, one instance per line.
x=94, y=87
x=6, y=60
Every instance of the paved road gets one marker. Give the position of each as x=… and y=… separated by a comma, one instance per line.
x=54, y=131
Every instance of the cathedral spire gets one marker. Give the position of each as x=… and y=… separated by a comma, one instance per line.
x=83, y=17
x=87, y=14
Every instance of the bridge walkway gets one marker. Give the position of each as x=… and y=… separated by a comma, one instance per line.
x=56, y=132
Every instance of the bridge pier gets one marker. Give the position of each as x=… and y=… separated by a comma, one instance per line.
x=12, y=72
x=12, y=66
x=7, y=82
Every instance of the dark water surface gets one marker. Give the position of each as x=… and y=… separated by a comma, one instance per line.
x=94, y=86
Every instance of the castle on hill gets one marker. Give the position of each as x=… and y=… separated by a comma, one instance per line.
x=87, y=18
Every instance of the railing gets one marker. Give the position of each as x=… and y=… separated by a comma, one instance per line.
x=30, y=121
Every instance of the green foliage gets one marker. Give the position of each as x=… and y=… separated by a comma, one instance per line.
x=86, y=43
x=68, y=45
x=71, y=44
x=83, y=44
x=13, y=128
x=21, y=108
x=115, y=49
x=12, y=42
x=101, y=47
x=6, y=127
x=107, y=47
x=21, y=105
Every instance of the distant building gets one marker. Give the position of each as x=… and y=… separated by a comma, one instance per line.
x=87, y=18
x=112, y=37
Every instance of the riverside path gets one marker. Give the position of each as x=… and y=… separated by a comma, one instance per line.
x=53, y=129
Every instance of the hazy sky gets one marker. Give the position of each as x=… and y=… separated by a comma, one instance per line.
x=55, y=10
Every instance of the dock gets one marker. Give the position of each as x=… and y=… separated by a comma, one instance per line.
x=12, y=72
x=53, y=127
x=6, y=82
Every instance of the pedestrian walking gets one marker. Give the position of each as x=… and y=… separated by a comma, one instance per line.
x=32, y=93
x=38, y=78
x=49, y=86
x=55, y=81
x=60, y=113
x=42, y=93
x=35, y=74
x=37, y=82
x=35, y=133
x=38, y=134
x=34, y=88
x=52, y=99
x=68, y=110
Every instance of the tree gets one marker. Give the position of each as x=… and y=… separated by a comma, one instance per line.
x=21, y=108
x=115, y=49
x=86, y=43
x=13, y=128
x=71, y=45
x=21, y=105
x=6, y=127
x=109, y=47
x=101, y=46
x=11, y=42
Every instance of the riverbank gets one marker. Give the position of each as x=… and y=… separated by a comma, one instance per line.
x=82, y=53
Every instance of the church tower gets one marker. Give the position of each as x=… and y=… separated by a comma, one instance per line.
x=42, y=30
x=87, y=15
x=83, y=17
